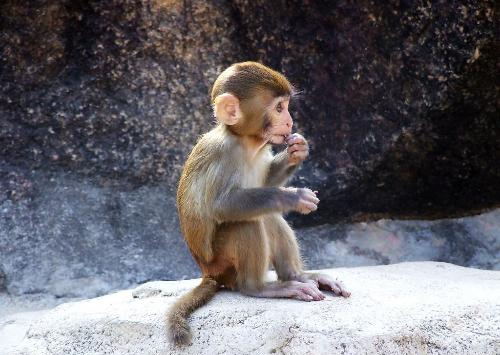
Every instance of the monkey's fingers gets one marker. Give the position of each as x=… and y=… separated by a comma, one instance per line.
x=336, y=289
x=298, y=156
x=299, y=294
x=304, y=191
x=326, y=282
x=343, y=290
x=297, y=141
x=305, y=292
x=313, y=291
x=311, y=197
x=297, y=148
x=315, y=287
x=306, y=207
x=295, y=137
x=340, y=291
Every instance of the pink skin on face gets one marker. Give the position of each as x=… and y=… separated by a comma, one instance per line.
x=281, y=121
x=280, y=131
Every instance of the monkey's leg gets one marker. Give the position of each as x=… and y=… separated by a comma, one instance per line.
x=246, y=243
x=283, y=247
x=287, y=261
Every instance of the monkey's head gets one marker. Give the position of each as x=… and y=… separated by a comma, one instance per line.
x=252, y=100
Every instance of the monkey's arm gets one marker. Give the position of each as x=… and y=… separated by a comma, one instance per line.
x=280, y=170
x=285, y=163
x=247, y=204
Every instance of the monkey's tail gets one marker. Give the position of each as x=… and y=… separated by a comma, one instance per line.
x=178, y=327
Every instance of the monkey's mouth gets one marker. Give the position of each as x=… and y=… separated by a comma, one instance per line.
x=285, y=137
x=277, y=139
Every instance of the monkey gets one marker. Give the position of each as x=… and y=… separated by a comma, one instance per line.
x=231, y=197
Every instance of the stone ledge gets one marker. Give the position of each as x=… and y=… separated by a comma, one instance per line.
x=408, y=308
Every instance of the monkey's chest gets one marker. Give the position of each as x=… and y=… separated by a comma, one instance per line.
x=254, y=175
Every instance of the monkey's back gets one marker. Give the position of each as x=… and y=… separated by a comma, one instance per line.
x=213, y=168
x=197, y=191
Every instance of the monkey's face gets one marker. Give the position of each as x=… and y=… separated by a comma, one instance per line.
x=261, y=116
x=277, y=121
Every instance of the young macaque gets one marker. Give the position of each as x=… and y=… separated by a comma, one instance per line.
x=231, y=197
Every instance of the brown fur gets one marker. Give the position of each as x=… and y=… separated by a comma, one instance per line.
x=230, y=203
x=177, y=318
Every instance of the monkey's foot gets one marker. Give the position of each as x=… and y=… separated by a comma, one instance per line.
x=325, y=282
x=328, y=283
x=305, y=291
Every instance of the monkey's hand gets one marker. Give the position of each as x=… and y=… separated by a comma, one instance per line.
x=306, y=200
x=297, y=150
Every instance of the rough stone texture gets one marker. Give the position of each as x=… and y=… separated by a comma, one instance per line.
x=399, y=101
x=141, y=241
x=100, y=101
x=410, y=308
x=13, y=329
x=78, y=239
x=468, y=241
x=18, y=312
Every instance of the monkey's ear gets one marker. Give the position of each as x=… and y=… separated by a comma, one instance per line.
x=227, y=109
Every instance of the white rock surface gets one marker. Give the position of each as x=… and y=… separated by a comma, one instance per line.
x=18, y=312
x=409, y=308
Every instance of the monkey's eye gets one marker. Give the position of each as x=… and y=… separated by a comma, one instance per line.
x=279, y=107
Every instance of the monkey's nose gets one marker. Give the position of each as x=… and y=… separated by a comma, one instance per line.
x=289, y=123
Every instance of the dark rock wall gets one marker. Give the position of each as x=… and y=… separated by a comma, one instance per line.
x=400, y=101
x=101, y=101
x=114, y=89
